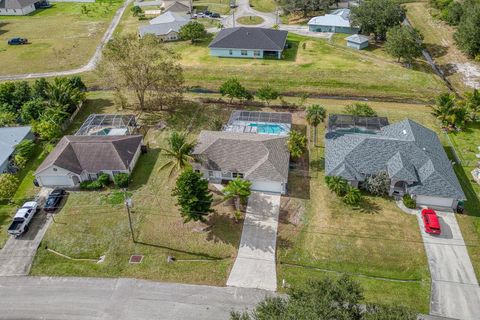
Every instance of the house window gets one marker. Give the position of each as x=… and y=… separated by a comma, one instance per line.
x=237, y=175
x=55, y=169
x=256, y=53
x=92, y=176
x=230, y=52
x=244, y=52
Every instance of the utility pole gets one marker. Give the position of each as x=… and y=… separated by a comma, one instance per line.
x=128, y=205
x=233, y=15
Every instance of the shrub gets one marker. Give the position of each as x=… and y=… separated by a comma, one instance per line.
x=338, y=185
x=91, y=185
x=25, y=149
x=352, y=197
x=378, y=184
x=121, y=180
x=409, y=202
x=104, y=179
x=8, y=185
x=297, y=144
x=360, y=109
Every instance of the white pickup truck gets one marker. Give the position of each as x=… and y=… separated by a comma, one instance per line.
x=22, y=218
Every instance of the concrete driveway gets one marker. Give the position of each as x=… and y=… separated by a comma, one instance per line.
x=243, y=9
x=17, y=255
x=255, y=264
x=455, y=290
x=118, y=299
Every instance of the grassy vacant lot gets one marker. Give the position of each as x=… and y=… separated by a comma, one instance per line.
x=466, y=145
x=92, y=224
x=263, y=5
x=321, y=236
x=311, y=66
x=439, y=41
x=62, y=37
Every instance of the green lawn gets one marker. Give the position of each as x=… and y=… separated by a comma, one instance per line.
x=438, y=38
x=263, y=5
x=321, y=236
x=250, y=20
x=311, y=66
x=92, y=224
x=61, y=37
x=219, y=6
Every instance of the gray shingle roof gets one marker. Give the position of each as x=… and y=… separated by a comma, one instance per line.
x=16, y=4
x=406, y=150
x=250, y=38
x=93, y=153
x=258, y=157
x=161, y=29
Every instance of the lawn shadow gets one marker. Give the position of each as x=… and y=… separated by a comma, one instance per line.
x=144, y=168
x=448, y=69
x=198, y=254
x=369, y=206
x=3, y=24
x=222, y=229
x=436, y=50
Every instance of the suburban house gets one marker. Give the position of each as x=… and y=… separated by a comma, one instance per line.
x=412, y=156
x=337, y=21
x=166, y=26
x=82, y=158
x=17, y=7
x=357, y=41
x=249, y=42
x=179, y=7
x=251, y=146
x=9, y=138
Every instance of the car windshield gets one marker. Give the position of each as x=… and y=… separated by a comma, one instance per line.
x=50, y=201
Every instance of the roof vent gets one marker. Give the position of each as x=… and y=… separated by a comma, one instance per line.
x=404, y=131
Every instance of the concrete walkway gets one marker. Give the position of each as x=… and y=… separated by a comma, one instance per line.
x=91, y=64
x=455, y=291
x=17, y=255
x=255, y=263
x=118, y=299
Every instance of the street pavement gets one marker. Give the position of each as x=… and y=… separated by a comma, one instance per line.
x=118, y=299
x=455, y=290
x=255, y=264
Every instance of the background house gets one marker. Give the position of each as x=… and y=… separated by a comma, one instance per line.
x=337, y=21
x=260, y=158
x=82, y=158
x=9, y=138
x=245, y=42
x=179, y=7
x=411, y=154
x=17, y=7
x=166, y=26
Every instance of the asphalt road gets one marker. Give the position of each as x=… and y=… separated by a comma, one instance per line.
x=118, y=299
x=455, y=290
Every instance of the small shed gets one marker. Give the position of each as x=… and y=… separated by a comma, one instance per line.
x=357, y=41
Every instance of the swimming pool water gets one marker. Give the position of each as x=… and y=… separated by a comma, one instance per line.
x=267, y=128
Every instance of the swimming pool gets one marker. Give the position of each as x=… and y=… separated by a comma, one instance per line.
x=267, y=128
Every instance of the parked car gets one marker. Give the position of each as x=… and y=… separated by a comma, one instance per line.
x=233, y=4
x=215, y=15
x=17, y=41
x=22, y=218
x=54, y=200
x=208, y=13
x=430, y=221
x=201, y=15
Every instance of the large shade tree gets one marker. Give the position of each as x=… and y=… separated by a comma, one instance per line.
x=467, y=36
x=404, y=42
x=145, y=67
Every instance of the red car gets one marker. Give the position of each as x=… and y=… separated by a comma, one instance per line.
x=430, y=220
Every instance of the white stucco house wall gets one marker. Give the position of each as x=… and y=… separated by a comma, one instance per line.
x=82, y=158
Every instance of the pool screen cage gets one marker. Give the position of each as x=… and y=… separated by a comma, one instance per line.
x=97, y=122
x=259, y=117
x=349, y=122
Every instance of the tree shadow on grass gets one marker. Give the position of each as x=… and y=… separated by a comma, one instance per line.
x=2, y=29
x=436, y=50
x=290, y=54
x=222, y=229
x=369, y=206
x=144, y=168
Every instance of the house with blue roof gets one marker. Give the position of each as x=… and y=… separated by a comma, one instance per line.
x=408, y=152
x=10, y=137
x=338, y=21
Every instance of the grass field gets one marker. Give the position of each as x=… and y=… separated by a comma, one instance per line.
x=263, y=5
x=61, y=37
x=92, y=224
x=326, y=237
x=438, y=38
x=250, y=20
x=218, y=6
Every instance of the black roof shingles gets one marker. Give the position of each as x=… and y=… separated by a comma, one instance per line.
x=250, y=38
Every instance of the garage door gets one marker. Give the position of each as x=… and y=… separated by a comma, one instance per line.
x=434, y=202
x=267, y=186
x=54, y=181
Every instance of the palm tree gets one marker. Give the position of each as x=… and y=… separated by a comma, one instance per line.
x=472, y=102
x=61, y=93
x=178, y=152
x=443, y=107
x=315, y=115
x=337, y=185
x=239, y=190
